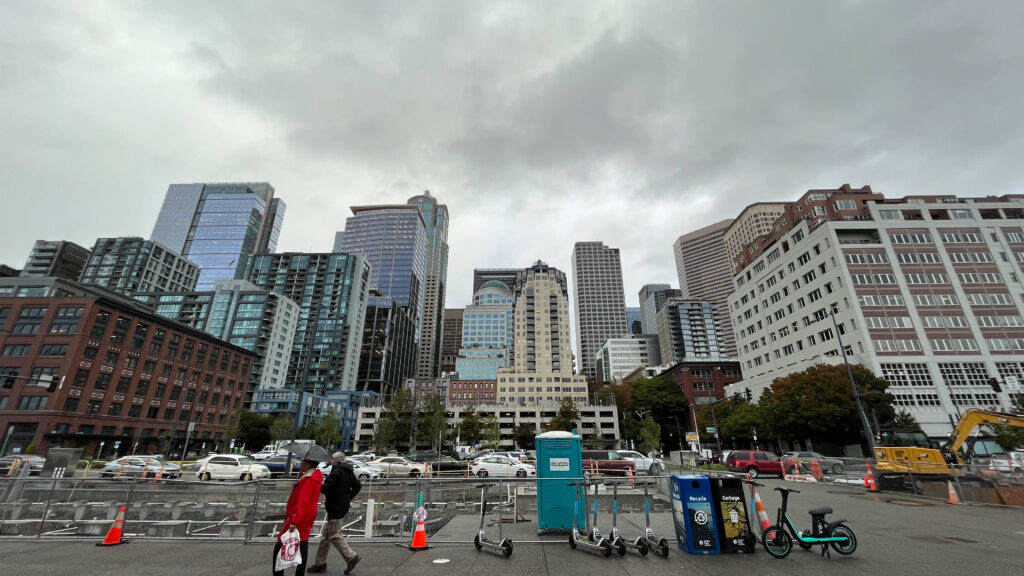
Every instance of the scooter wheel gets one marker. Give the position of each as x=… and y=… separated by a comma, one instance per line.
x=476, y=542
x=572, y=542
x=606, y=549
x=642, y=547
x=620, y=546
x=663, y=547
x=507, y=548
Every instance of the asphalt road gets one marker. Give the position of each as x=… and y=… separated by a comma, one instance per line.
x=897, y=534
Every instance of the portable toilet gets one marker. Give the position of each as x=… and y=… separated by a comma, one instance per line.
x=559, y=456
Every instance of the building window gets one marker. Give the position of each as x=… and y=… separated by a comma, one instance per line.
x=32, y=403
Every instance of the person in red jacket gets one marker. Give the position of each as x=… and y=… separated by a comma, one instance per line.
x=301, y=511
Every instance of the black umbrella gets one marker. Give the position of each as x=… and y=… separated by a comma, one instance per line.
x=308, y=451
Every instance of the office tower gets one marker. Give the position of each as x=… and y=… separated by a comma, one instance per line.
x=924, y=291
x=705, y=273
x=688, y=331
x=634, y=320
x=506, y=276
x=617, y=357
x=451, y=339
x=59, y=258
x=392, y=239
x=239, y=312
x=102, y=372
x=486, y=333
x=332, y=291
x=600, y=303
x=541, y=370
x=218, y=226
x=755, y=221
x=435, y=220
x=132, y=265
x=652, y=299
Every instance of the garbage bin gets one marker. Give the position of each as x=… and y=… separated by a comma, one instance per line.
x=734, y=533
x=694, y=515
x=559, y=455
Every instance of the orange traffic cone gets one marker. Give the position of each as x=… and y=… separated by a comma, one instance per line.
x=419, y=537
x=630, y=475
x=816, y=471
x=114, y=535
x=869, y=480
x=762, y=514
x=953, y=497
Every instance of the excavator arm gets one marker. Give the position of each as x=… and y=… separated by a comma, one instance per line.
x=974, y=418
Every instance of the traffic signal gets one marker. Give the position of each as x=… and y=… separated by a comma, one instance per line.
x=748, y=394
x=994, y=383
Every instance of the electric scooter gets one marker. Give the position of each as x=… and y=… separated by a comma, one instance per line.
x=503, y=548
x=619, y=543
x=576, y=539
x=835, y=534
x=659, y=545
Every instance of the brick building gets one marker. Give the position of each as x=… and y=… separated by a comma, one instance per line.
x=81, y=366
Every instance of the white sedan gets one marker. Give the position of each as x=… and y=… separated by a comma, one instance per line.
x=398, y=466
x=232, y=467
x=651, y=465
x=503, y=466
x=362, y=471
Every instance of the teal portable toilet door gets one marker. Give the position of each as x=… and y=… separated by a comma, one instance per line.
x=559, y=456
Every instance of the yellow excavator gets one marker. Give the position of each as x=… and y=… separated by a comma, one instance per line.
x=908, y=453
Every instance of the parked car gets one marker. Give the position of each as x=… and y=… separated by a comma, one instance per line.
x=278, y=466
x=362, y=471
x=398, y=466
x=649, y=464
x=607, y=462
x=232, y=467
x=501, y=466
x=515, y=455
x=265, y=453
x=140, y=467
x=199, y=463
x=756, y=462
x=833, y=465
x=423, y=455
x=479, y=454
x=34, y=461
x=448, y=466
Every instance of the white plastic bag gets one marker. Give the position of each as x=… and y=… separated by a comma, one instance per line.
x=289, y=556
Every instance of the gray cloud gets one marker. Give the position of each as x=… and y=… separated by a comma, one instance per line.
x=539, y=124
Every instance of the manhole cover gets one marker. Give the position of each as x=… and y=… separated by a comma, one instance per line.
x=845, y=492
x=909, y=503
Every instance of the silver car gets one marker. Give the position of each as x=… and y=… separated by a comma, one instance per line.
x=833, y=465
x=140, y=467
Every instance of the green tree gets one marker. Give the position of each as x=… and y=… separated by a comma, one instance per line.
x=525, y=435
x=471, y=428
x=431, y=420
x=818, y=404
x=566, y=417
x=1008, y=437
x=253, y=431
x=662, y=400
x=384, y=436
x=396, y=418
x=903, y=420
x=327, y=432
x=282, y=427
x=649, y=436
x=492, y=432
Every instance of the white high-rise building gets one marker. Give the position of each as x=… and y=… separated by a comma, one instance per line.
x=926, y=293
x=600, y=303
x=702, y=264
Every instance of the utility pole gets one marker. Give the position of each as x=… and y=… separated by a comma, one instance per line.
x=856, y=395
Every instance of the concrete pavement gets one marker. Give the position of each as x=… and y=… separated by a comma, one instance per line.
x=897, y=535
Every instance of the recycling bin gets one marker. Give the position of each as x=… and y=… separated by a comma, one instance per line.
x=734, y=535
x=559, y=455
x=693, y=514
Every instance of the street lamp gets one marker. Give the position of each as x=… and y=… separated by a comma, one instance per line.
x=849, y=372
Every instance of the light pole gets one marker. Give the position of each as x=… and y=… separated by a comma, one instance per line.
x=856, y=395
x=678, y=433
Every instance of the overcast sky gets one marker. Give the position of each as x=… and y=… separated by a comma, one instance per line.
x=539, y=124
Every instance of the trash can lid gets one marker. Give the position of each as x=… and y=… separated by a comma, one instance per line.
x=557, y=434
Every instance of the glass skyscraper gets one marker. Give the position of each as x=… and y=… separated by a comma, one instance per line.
x=487, y=329
x=218, y=226
x=393, y=240
x=435, y=220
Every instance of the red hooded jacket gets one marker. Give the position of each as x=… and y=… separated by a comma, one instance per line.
x=303, y=504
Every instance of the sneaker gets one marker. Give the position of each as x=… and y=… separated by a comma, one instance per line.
x=352, y=563
x=317, y=568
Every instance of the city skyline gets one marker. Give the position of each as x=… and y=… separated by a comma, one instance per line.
x=527, y=117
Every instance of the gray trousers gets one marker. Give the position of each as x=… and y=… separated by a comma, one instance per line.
x=332, y=534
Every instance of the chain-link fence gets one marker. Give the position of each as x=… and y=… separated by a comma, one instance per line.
x=383, y=510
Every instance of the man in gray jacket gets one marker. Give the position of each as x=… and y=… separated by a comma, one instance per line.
x=340, y=487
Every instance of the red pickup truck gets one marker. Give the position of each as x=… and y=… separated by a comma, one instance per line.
x=607, y=462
